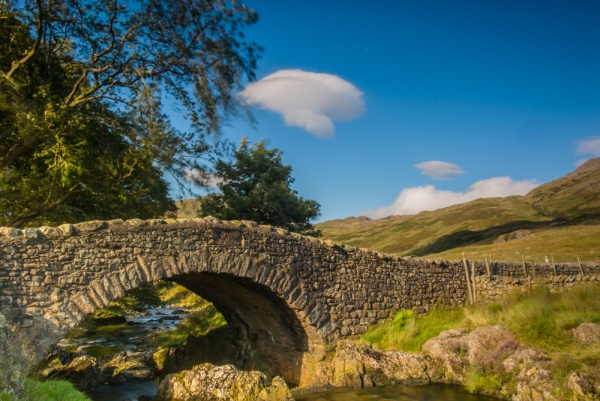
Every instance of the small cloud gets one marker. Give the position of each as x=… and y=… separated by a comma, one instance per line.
x=309, y=100
x=439, y=170
x=590, y=146
x=203, y=178
x=417, y=199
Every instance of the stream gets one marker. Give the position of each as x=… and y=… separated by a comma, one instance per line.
x=430, y=392
x=110, y=339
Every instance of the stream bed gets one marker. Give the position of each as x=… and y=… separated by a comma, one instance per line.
x=110, y=339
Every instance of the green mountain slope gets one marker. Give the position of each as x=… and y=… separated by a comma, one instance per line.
x=567, y=201
x=570, y=196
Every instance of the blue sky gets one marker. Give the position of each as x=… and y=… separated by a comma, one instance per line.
x=489, y=88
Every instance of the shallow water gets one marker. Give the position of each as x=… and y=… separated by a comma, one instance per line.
x=431, y=392
x=127, y=391
x=110, y=339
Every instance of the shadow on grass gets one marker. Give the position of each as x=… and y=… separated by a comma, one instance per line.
x=488, y=235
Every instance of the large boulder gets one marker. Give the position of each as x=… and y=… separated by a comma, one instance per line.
x=360, y=365
x=587, y=333
x=207, y=382
x=83, y=371
x=129, y=366
x=12, y=362
x=530, y=369
x=456, y=351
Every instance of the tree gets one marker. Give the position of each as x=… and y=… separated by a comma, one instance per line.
x=256, y=186
x=83, y=130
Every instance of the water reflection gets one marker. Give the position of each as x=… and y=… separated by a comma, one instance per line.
x=433, y=392
x=128, y=391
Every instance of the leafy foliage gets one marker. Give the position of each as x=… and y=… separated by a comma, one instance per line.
x=256, y=186
x=83, y=131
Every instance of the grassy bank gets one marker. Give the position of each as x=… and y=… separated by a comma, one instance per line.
x=539, y=320
x=51, y=390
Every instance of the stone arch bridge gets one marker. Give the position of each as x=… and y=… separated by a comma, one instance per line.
x=285, y=293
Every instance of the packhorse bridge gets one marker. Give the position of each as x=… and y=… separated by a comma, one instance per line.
x=284, y=294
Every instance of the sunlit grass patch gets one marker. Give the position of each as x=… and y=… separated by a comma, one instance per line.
x=51, y=390
x=409, y=331
x=178, y=295
x=195, y=323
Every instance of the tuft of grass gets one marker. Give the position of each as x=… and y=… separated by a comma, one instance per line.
x=409, y=331
x=482, y=383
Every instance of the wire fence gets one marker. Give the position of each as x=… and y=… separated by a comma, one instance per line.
x=537, y=259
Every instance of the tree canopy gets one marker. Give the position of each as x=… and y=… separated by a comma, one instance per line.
x=84, y=132
x=256, y=185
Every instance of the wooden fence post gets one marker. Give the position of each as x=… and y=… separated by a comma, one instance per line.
x=468, y=279
x=473, y=278
x=487, y=266
x=553, y=264
x=524, y=267
x=580, y=267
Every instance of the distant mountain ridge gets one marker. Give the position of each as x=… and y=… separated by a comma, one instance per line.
x=570, y=200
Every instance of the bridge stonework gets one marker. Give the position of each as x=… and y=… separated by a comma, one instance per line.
x=285, y=293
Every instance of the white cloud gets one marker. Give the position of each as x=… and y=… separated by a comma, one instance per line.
x=439, y=170
x=203, y=178
x=309, y=100
x=417, y=199
x=589, y=146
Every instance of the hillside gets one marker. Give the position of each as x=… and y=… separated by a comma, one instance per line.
x=570, y=196
x=571, y=200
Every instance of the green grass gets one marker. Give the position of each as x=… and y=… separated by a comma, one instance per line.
x=409, y=332
x=196, y=323
x=564, y=243
x=180, y=296
x=51, y=390
x=539, y=320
